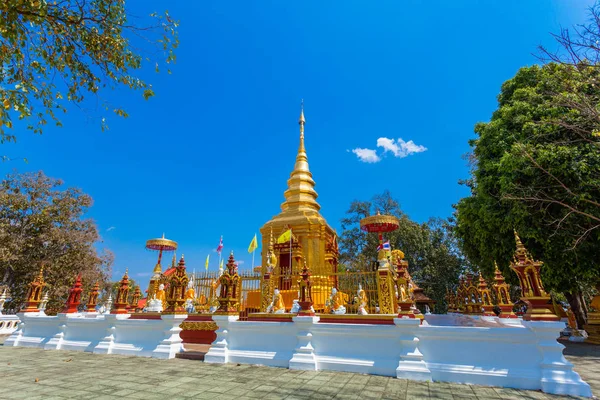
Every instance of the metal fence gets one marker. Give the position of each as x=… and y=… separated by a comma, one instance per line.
x=249, y=300
x=347, y=283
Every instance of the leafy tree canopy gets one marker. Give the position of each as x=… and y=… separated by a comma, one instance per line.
x=40, y=221
x=536, y=168
x=54, y=52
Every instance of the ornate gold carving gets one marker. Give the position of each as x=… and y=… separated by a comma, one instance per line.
x=267, y=288
x=199, y=326
x=383, y=220
x=385, y=292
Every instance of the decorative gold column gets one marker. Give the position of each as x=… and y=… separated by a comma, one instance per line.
x=385, y=285
x=404, y=301
x=93, y=298
x=486, y=298
x=593, y=321
x=503, y=295
x=539, y=305
x=34, y=294
x=230, y=284
x=178, y=282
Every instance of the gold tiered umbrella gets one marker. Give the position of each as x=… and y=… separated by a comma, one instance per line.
x=160, y=245
x=379, y=224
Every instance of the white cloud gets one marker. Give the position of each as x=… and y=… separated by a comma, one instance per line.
x=399, y=148
x=240, y=262
x=143, y=274
x=112, y=228
x=367, y=155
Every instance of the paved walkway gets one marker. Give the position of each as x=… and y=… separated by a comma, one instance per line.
x=38, y=374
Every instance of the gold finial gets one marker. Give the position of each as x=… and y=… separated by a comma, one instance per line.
x=182, y=256
x=126, y=271
x=301, y=120
x=301, y=192
x=163, y=235
x=174, y=260
x=496, y=269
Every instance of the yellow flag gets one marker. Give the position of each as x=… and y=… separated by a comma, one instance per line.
x=285, y=236
x=253, y=244
x=221, y=266
x=206, y=264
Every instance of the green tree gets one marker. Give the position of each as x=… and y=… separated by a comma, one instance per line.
x=58, y=52
x=535, y=169
x=431, y=250
x=40, y=221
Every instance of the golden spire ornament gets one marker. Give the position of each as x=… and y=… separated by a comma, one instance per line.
x=301, y=194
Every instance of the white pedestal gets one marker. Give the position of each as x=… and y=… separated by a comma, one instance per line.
x=172, y=344
x=558, y=376
x=411, y=364
x=106, y=345
x=218, y=352
x=304, y=354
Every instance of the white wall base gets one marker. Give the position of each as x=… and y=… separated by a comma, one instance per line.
x=101, y=334
x=522, y=355
x=8, y=324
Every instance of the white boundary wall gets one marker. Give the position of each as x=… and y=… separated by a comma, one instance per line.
x=525, y=355
x=101, y=333
x=8, y=324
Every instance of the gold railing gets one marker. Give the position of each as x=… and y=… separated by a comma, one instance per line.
x=207, y=285
x=347, y=283
x=250, y=295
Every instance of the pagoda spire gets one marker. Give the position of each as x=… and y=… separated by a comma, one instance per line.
x=301, y=194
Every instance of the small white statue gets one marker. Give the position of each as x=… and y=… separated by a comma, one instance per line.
x=108, y=305
x=427, y=310
x=2, y=300
x=189, y=306
x=154, y=305
x=43, y=303
x=101, y=309
x=276, y=306
x=295, y=307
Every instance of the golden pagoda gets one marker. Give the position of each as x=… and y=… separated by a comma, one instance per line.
x=312, y=241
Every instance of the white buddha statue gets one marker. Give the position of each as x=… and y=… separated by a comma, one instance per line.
x=276, y=306
x=190, y=297
x=154, y=305
x=295, y=307
x=333, y=305
x=108, y=305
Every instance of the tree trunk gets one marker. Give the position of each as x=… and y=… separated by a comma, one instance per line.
x=575, y=303
x=583, y=305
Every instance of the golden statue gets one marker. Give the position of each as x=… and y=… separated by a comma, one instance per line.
x=277, y=306
x=160, y=295
x=334, y=304
x=403, y=295
x=190, y=293
x=363, y=301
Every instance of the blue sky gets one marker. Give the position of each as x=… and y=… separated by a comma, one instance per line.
x=211, y=153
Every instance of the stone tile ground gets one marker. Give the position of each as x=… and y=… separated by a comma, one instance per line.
x=38, y=374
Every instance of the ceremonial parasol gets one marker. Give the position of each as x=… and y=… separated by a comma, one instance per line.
x=379, y=224
x=160, y=245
